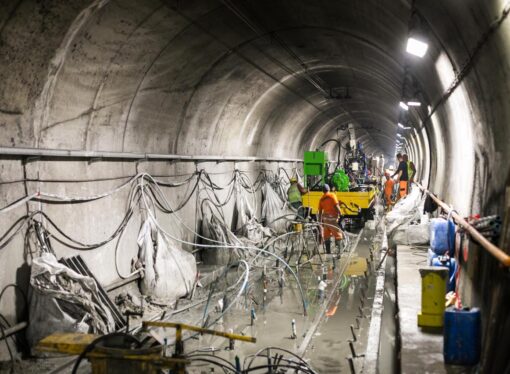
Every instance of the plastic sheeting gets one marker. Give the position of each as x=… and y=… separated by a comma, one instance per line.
x=62, y=300
x=273, y=208
x=169, y=271
x=412, y=234
x=243, y=211
x=405, y=211
x=216, y=230
x=245, y=222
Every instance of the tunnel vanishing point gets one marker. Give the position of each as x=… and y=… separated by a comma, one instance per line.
x=111, y=110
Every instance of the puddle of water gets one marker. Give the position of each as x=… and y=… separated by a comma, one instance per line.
x=329, y=351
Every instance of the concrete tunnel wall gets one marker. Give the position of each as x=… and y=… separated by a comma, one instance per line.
x=191, y=78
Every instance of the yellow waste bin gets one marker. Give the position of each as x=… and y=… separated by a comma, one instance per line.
x=433, y=291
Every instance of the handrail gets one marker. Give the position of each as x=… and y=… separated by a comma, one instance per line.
x=495, y=251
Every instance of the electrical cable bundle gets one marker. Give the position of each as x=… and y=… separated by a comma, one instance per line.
x=146, y=194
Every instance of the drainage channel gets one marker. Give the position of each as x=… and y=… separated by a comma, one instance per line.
x=339, y=343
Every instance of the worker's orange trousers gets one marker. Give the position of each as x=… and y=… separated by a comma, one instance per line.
x=387, y=197
x=402, y=189
x=328, y=231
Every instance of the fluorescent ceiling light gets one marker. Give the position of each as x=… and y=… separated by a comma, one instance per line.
x=416, y=47
x=403, y=105
x=413, y=103
x=399, y=135
x=403, y=127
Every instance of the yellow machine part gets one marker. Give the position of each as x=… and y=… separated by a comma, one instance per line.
x=433, y=291
x=70, y=343
x=357, y=266
x=110, y=360
x=352, y=200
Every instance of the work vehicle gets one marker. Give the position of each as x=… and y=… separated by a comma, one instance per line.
x=355, y=186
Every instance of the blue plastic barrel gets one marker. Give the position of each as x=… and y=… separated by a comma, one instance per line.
x=439, y=240
x=451, y=264
x=451, y=238
x=462, y=336
x=431, y=255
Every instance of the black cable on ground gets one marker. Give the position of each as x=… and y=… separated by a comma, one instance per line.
x=2, y=330
x=102, y=338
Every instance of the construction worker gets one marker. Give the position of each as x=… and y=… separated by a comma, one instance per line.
x=328, y=214
x=411, y=170
x=388, y=190
x=402, y=176
x=294, y=193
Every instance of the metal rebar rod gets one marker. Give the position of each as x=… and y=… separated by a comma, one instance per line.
x=13, y=330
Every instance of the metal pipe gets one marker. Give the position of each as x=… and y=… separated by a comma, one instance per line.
x=121, y=282
x=13, y=330
x=70, y=153
x=495, y=251
x=181, y=326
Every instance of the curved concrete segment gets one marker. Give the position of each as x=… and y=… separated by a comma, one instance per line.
x=267, y=79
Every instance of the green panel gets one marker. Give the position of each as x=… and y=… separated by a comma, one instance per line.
x=315, y=163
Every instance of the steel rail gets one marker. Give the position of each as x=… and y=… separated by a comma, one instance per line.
x=138, y=156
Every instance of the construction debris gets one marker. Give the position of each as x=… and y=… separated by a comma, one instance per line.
x=63, y=300
x=169, y=271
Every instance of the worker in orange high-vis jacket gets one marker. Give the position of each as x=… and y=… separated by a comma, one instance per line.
x=403, y=178
x=388, y=190
x=329, y=214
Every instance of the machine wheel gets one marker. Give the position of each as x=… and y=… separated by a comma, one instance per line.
x=369, y=214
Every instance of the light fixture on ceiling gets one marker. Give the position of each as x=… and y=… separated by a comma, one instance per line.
x=416, y=47
x=403, y=127
x=403, y=105
x=413, y=103
x=399, y=135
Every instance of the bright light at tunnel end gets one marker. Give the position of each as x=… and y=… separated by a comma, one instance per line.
x=416, y=47
x=413, y=103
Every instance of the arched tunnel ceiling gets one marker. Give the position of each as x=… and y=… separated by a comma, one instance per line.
x=220, y=77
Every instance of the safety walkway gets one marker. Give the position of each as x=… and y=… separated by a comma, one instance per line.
x=421, y=351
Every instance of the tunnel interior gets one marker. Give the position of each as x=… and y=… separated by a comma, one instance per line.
x=262, y=79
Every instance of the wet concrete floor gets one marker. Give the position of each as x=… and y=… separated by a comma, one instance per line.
x=347, y=321
x=323, y=334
